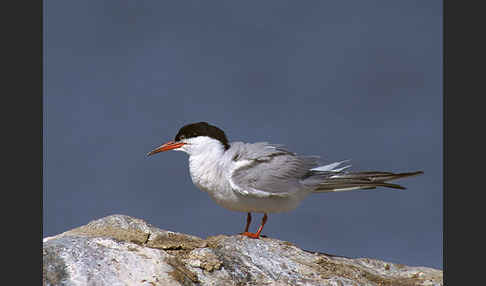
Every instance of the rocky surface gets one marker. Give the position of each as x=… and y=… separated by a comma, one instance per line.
x=121, y=250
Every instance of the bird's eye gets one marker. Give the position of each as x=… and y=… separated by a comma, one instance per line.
x=182, y=137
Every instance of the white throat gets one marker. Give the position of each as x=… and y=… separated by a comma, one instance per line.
x=205, y=162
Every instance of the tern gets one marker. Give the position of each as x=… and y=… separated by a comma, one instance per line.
x=263, y=177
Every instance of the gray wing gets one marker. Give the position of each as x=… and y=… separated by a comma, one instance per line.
x=264, y=169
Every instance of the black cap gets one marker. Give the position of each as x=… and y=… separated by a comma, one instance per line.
x=202, y=129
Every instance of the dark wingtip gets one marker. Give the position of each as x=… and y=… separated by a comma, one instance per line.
x=402, y=175
x=393, y=186
x=411, y=174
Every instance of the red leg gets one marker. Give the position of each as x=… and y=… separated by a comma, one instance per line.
x=248, y=221
x=257, y=234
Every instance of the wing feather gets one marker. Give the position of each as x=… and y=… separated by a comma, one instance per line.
x=263, y=169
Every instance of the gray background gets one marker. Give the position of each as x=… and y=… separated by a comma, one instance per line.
x=359, y=80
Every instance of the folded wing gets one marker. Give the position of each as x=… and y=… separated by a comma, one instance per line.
x=263, y=170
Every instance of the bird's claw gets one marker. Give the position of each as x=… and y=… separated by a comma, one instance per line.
x=251, y=235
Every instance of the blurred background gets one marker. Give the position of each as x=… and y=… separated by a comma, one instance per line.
x=358, y=80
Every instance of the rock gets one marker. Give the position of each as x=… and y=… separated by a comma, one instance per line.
x=121, y=250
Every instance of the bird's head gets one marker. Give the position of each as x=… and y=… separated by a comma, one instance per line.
x=196, y=138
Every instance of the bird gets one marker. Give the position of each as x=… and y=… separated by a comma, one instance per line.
x=262, y=177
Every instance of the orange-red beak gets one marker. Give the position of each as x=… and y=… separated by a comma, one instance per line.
x=166, y=147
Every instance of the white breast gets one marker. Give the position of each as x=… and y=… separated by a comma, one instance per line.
x=211, y=167
x=211, y=176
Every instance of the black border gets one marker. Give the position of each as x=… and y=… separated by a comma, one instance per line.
x=41, y=88
x=463, y=125
x=22, y=84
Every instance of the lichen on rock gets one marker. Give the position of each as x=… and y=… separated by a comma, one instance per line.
x=121, y=250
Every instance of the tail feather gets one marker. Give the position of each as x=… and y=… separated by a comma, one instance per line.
x=331, y=167
x=347, y=181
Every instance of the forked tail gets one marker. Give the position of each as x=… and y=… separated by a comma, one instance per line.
x=328, y=179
